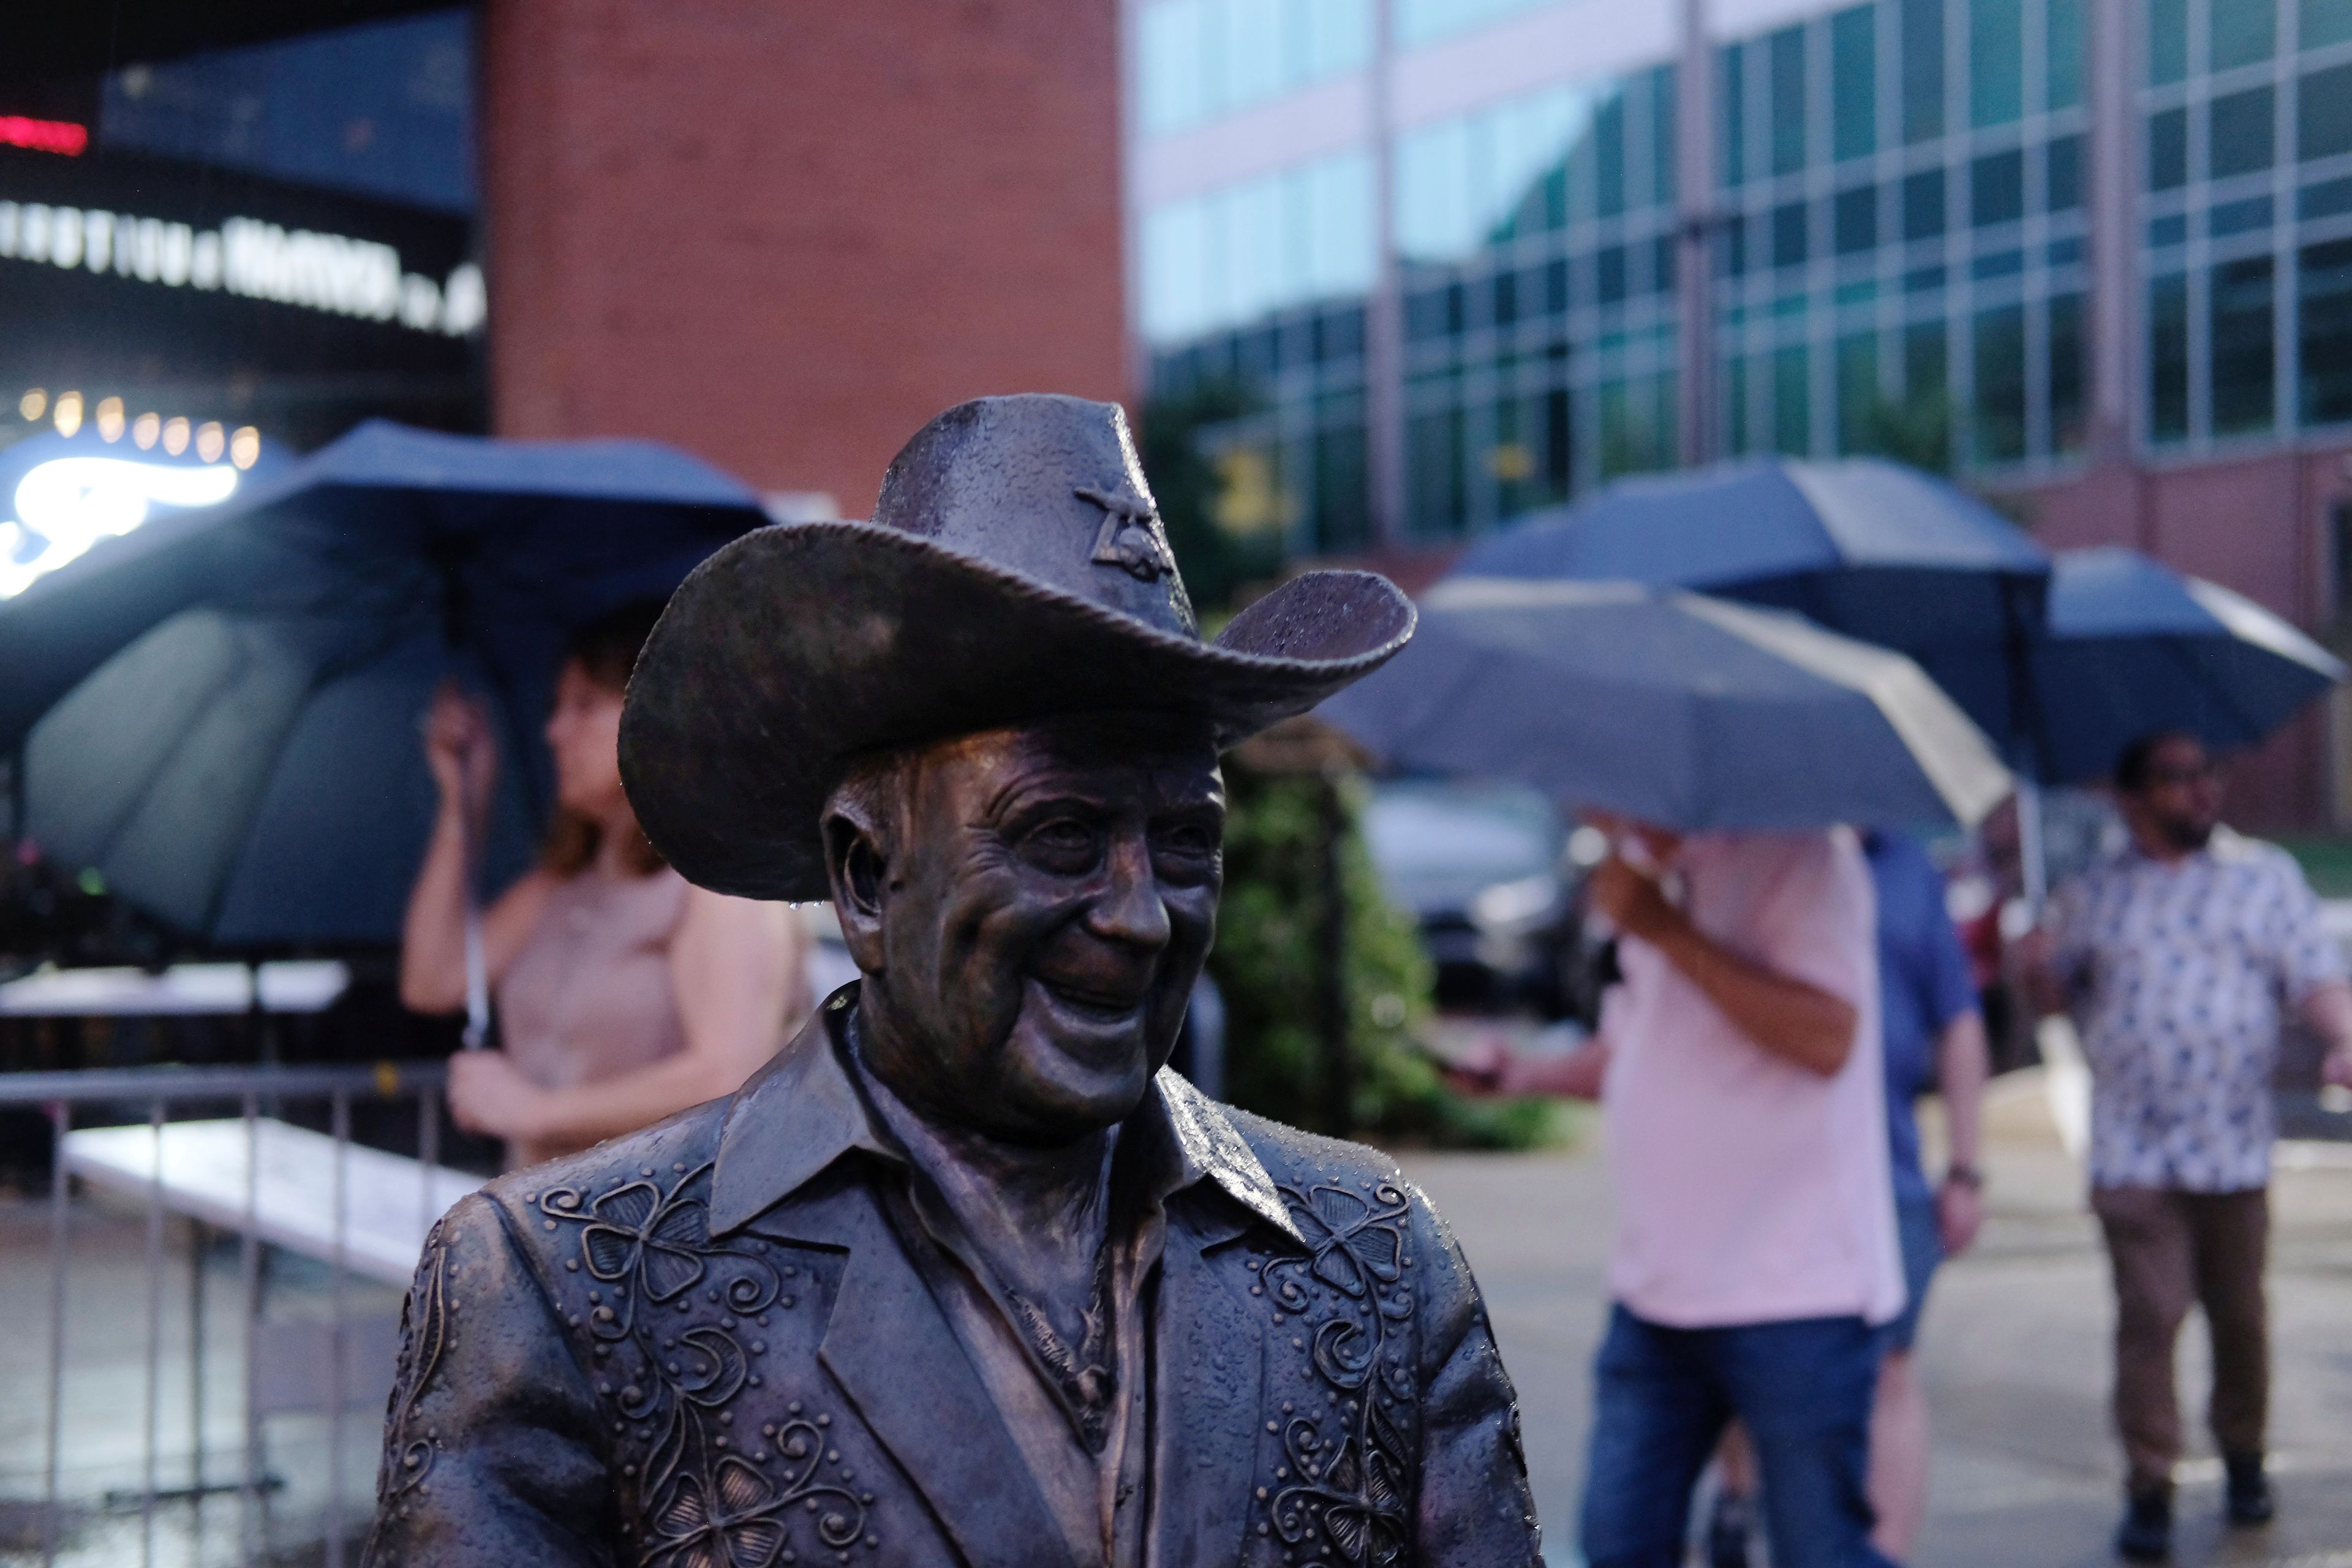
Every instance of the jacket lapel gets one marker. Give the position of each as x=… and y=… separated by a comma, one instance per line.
x=1209, y=1396
x=895, y=1355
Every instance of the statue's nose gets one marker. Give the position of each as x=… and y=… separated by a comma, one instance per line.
x=1129, y=911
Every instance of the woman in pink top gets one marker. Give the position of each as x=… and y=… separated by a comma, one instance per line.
x=623, y=993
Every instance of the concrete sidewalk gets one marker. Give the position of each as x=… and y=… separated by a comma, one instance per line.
x=2014, y=1353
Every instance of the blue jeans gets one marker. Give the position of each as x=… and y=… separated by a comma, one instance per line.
x=1662, y=1397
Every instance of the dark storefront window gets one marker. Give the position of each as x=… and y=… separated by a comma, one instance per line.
x=2167, y=358
x=2243, y=356
x=2326, y=331
x=2001, y=384
x=2069, y=373
x=278, y=235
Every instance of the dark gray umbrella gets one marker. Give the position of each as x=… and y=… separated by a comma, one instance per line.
x=1673, y=708
x=218, y=713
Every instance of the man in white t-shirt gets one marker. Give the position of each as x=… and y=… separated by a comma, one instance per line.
x=1755, y=1254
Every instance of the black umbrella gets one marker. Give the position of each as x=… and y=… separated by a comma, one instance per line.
x=218, y=713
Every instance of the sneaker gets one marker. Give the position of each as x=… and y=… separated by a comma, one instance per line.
x=1727, y=1528
x=2145, y=1533
x=2250, y=1490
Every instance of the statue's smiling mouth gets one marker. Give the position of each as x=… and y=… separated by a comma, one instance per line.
x=1095, y=1001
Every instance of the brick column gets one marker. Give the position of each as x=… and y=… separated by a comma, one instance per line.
x=781, y=233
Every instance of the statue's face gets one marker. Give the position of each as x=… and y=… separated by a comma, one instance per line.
x=1031, y=919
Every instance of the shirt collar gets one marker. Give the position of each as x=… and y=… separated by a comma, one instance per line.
x=802, y=1112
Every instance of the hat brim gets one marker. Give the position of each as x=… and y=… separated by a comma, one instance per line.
x=799, y=646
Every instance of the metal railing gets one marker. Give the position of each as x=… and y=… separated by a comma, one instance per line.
x=281, y=1191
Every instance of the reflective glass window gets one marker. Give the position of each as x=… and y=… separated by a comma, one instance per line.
x=2063, y=174
x=1996, y=188
x=1792, y=423
x=1733, y=141
x=1422, y=21
x=2325, y=22
x=2000, y=343
x=2167, y=41
x=1927, y=356
x=2243, y=31
x=2063, y=26
x=2243, y=356
x=1661, y=135
x=2325, y=290
x=1169, y=41
x=1789, y=248
x=2323, y=113
x=2069, y=373
x=1923, y=70
x=1608, y=155
x=2240, y=133
x=2239, y=218
x=1787, y=51
x=1996, y=61
x=2168, y=150
x=1857, y=393
x=1854, y=83
x=1433, y=461
x=2168, y=357
x=1856, y=219
x=1608, y=274
x=1923, y=205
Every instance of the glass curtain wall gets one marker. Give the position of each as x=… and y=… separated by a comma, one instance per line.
x=1901, y=265
x=2246, y=168
x=1899, y=251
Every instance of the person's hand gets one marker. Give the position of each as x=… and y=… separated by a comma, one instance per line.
x=1630, y=899
x=1481, y=1071
x=488, y=1094
x=460, y=749
x=1959, y=1214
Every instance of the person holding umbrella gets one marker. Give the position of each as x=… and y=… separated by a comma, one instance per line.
x=623, y=994
x=2179, y=958
x=1755, y=1257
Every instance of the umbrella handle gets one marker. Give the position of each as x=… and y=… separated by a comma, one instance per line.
x=477, y=976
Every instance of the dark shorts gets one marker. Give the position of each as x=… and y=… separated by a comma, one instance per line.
x=1923, y=1250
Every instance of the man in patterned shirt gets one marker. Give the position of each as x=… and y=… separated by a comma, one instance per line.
x=2179, y=958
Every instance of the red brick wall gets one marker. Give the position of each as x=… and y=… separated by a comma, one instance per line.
x=2260, y=525
x=784, y=233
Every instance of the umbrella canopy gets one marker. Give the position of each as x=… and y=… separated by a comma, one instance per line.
x=218, y=713
x=1671, y=707
x=2134, y=646
x=1867, y=548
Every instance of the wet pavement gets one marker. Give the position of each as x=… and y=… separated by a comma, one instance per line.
x=2014, y=1353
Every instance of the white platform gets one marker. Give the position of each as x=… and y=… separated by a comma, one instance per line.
x=390, y=1200
x=183, y=989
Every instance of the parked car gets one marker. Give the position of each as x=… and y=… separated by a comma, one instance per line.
x=1485, y=870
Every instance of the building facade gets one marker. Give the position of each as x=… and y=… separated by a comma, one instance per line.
x=1418, y=268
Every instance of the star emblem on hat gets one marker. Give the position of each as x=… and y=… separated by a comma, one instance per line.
x=1130, y=538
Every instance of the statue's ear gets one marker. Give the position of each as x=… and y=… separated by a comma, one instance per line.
x=858, y=863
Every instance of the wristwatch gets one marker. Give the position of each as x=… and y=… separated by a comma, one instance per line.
x=1965, y=1176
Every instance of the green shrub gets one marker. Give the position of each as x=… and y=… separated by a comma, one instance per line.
x=1266, y=962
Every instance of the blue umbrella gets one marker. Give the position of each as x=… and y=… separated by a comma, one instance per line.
x=218, y=711
x=1674, y=708
x=1866, y=547
x=2134, y=646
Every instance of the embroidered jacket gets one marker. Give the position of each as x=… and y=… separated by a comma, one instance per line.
x=704, y=1346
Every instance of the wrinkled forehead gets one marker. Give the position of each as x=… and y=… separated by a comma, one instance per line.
x=1148, y=758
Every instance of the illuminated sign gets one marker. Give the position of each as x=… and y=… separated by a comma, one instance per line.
x=328, y=272
x=44, y=135
x=66, y=504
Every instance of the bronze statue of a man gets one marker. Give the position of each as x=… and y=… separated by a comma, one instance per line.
x=963, y=1276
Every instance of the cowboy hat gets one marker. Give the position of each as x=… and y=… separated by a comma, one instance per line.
x=1015, y=569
